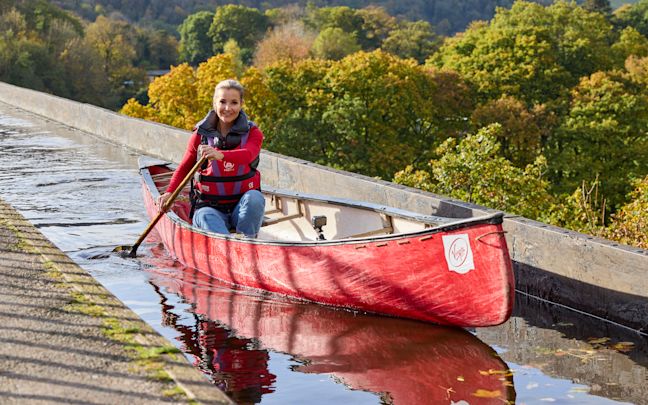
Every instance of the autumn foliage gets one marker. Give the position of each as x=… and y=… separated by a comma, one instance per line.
x=541, y=112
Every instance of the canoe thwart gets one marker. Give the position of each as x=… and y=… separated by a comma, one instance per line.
x=271, y=221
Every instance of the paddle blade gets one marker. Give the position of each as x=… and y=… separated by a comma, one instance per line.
x=126, y=251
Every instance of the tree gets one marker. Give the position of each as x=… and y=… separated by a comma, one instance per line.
x=412, y=40
x=635, y=15
x=31, y=58
x=232, y=49
x=473, y=170
x=85, y=75
x=344, y=18
x=334, y=43
x=584, y=210
x=174, y=98
x=376, y=26
x=113, y=41
x=604, y=134
x=195, y=43
x=208, y=75
x=294, y=95
x=630, y=43
x=630, y=223
x=243, y=24
x=383, y=111
x=531, y=52
x=260, y=101
x=369, y=112
x=599, y=6
x=285, y=15
x=290, y=42
x=524, y=130
x=155, y=48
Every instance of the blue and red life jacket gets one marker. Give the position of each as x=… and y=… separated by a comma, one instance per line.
x=220, y=183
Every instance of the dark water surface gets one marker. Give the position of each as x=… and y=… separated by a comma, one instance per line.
x=84, y=195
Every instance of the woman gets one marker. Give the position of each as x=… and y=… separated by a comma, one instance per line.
x=226, y=194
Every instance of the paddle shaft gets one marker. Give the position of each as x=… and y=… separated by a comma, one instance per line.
x=166, y=206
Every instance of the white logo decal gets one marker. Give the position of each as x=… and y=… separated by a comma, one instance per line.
x=229, y=166
x=458, y=254
x=251, y=185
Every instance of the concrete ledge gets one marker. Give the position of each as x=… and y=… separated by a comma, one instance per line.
x=565, y=254
x=195, y=385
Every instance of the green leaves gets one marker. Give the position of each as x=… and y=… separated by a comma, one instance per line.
x=243, y=24
x=604, y=133
x=531, y=52
x=195, y=44
x=472, y=170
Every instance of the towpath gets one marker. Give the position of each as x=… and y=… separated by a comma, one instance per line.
x=66, y=339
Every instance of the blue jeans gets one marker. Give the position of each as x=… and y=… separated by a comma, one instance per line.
x=246, y=217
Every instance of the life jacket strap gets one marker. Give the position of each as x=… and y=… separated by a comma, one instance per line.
x=217, y=198
x=226, y=179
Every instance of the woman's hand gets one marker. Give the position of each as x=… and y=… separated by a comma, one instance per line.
x=210, y=153
x=162, y=200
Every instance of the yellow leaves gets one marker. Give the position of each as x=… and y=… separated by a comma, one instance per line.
x=209, y=73
x=133, y=108
x=173, y=97
x=184, y=95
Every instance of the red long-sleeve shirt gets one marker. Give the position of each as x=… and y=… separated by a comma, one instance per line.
x=244, y=155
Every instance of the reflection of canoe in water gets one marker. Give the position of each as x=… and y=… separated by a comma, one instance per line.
x=405, y=361
x=376, y=259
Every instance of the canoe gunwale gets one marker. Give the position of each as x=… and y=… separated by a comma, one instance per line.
x=495, y=218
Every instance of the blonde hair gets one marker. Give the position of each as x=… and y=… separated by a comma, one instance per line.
x=230, y=84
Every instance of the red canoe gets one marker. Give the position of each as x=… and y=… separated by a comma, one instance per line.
x=374, y=258
x=404, y=361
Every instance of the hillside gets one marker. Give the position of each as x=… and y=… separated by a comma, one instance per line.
x=449, y=16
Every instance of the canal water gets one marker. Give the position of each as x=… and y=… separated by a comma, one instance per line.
x=84, y=194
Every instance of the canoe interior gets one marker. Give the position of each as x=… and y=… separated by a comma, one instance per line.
x=288, y=216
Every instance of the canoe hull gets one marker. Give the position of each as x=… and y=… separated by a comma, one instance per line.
x=460, y=277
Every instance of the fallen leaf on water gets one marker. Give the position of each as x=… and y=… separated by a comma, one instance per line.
x=597, y=341
x=623, y=346
x=460, y=378
x=506, y=373
x=480, y=393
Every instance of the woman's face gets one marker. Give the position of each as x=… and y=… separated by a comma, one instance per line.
x=227, y=104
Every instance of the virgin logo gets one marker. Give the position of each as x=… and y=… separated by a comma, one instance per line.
x=228, y=166
x=458, y=252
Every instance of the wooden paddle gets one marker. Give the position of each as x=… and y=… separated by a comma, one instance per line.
x=133, y=249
